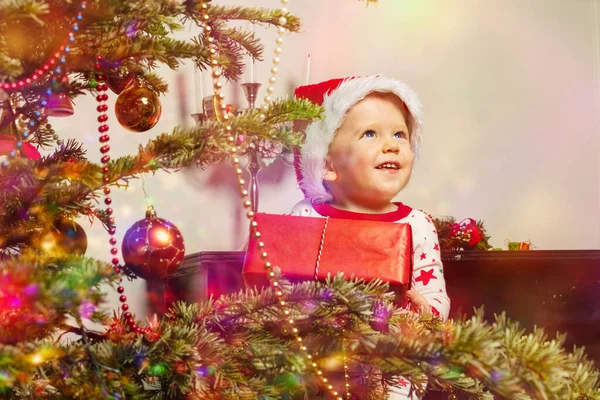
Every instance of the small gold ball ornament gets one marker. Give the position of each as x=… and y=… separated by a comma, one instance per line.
x=138, y=109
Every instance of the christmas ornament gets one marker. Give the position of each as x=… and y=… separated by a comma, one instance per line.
x=138, y=109
x=467, y=231
x=9, y=144
x=467, y=234
x=65, y=235
x=59, y=105
x=118, y=81
x=518, y=245
x=153, y=248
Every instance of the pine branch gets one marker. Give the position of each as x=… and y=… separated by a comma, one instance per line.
x=45, y=290
x=255, y=15
x=134, y=35
x=63, y=184
x=214, y=350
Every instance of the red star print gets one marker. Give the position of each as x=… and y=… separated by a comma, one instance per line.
x=423, y=256
x=436, y=246
x=426, y=276
x=435, y=311
x=403, y=382
x=433, y=260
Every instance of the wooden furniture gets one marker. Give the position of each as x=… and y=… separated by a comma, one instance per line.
x=558, y=290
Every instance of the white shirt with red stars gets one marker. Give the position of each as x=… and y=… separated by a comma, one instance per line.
x=428, y=272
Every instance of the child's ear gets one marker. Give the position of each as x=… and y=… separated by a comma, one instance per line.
x=329, y=174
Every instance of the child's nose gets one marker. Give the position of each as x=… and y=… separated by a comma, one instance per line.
x=391, y=146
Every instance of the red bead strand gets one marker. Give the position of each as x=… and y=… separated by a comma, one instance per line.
x=103, y=128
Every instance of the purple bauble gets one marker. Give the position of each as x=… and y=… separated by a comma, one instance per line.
x=153, y=247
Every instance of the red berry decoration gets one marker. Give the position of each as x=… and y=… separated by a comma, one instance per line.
x=153, y=248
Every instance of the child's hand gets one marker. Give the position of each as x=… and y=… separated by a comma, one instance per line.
x=418, y=302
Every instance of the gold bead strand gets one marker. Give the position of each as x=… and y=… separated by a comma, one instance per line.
x=278, y=42
x=346, y=372
x=220, y=108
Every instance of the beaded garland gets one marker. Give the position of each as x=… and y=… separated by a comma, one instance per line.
x=233, y=150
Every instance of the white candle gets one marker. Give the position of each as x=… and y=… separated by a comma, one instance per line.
x=198, y=89
x=201, y=89
x=307, y=70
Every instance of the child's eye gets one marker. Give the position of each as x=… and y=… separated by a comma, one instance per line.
x=368, y=134
x=399, y=135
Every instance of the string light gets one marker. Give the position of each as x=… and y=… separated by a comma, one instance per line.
x=222, y=115
x=54, y=66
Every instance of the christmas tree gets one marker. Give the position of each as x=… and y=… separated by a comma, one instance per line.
x=286, y=340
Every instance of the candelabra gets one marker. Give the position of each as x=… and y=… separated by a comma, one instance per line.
x=250, y=91
x=254, y=165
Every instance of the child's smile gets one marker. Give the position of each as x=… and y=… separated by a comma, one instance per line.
x=389, y=167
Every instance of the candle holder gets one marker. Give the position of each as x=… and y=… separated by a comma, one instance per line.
x=251, y=92
x=199, y=118
x=210, y=106
x=209, y=110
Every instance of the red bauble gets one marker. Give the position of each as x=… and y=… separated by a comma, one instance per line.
x=9, y=143
x=153, y=247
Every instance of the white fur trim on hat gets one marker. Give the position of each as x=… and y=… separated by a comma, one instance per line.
x=320, y=133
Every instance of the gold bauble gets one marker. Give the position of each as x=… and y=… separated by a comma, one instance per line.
x=138, y=109
x=64, y=236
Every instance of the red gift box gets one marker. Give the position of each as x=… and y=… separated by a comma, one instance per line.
x=361, y=249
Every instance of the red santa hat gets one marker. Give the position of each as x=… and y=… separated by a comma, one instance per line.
x=337, y=96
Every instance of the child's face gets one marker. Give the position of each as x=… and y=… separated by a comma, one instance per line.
x=370, y=159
